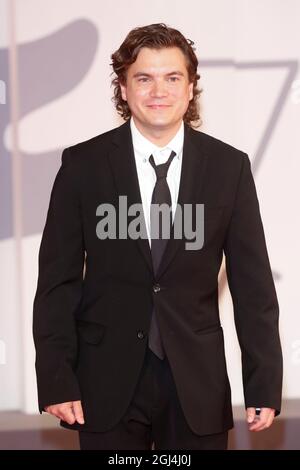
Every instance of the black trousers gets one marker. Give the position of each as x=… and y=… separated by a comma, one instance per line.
x=153, y=416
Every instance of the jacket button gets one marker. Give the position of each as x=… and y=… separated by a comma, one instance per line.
x=140, y=334
x=156, y=288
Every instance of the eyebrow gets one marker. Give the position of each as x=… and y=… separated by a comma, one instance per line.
x=144, y=74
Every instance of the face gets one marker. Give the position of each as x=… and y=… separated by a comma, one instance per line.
x=157, y=88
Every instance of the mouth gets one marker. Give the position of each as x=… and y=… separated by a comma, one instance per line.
x=158, y=106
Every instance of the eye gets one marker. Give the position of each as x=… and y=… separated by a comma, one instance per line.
x=143, y=79
x=174, y=79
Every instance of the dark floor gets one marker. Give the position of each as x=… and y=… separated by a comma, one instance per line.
x=42, y=432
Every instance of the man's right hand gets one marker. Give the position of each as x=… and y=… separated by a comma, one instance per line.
x=69, y=411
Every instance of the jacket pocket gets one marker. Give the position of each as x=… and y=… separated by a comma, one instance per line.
x=97, y=312
x=208, y=330
x=92, y=333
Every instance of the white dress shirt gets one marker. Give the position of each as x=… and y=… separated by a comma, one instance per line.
x=143, y=148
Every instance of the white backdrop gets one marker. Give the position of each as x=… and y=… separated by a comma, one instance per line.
x=55, y=58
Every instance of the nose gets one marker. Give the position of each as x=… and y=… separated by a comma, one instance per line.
x=158, y=89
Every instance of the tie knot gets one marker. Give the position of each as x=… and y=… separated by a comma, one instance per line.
x=162, y=169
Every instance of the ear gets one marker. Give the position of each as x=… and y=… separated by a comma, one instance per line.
x=191, y=93
x=123, y=91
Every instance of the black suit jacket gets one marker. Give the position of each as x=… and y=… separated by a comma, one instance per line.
x=94, y=298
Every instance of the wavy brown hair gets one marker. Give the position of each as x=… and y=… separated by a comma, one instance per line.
x=154, y=36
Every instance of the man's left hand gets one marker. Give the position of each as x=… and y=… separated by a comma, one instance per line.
x=261, y=421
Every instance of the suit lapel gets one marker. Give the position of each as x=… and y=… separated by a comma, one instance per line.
x=191, y=182
x=126, y=179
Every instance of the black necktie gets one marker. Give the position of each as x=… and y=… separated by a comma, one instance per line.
x=161, y=195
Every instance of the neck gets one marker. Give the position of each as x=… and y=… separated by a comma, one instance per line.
x=158, y=136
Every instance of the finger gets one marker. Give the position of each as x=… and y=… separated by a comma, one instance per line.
x=52, y=410
x=250, y=415
x=62, y=411
x=270, y=419
x=56, y=414
x=257, y=426
x=261, y=421
x=78, y=412
x=49, y=408
x=66, y=413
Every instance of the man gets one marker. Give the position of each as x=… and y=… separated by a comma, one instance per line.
x=130, y=348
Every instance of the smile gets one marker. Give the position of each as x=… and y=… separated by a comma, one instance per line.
x=158, y=106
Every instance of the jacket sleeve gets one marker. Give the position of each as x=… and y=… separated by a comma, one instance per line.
x=59, y=290
x=255, y=303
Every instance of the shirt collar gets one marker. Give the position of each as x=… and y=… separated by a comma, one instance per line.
x=145, y=147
